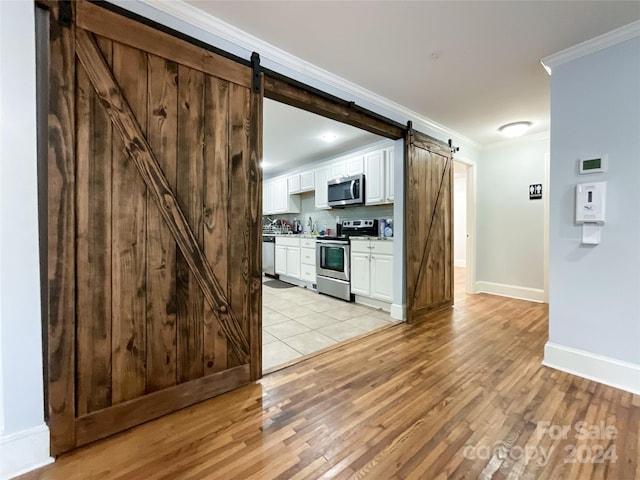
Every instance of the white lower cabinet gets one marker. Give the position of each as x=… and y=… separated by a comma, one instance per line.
x=360, y=273
x=281, y=259
x=308, y=260
x=381, y=277
x=288, y=256
x=372, y=269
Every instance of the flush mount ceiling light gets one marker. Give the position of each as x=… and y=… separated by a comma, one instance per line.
x=328, y=137
x=514, y=129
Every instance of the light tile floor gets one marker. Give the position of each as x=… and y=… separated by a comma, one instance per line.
x=297, y=321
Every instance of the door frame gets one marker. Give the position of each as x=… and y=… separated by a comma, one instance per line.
x=470, y=269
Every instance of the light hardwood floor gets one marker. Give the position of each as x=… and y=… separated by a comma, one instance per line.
x=462, y=395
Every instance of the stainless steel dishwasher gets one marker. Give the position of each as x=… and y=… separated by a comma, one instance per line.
x=269, y=255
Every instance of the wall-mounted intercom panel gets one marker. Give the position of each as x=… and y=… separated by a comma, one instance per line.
x=591, y=210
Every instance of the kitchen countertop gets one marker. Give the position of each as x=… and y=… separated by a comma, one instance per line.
x=371, y=238
x=307, y=235
x=294, y=235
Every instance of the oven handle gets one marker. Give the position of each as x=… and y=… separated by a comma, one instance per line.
x=332, y=242
x=353, y=190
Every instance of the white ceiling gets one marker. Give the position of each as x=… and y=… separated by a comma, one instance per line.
x=469, y=65
x=293, y=137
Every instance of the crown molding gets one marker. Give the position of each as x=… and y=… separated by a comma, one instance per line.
x=210, y=24
x=601, y=42
x=525, y=138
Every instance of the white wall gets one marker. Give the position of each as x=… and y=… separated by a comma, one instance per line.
x=25, y=439
x=510, y=227
x=459, y=214
x=595, y=290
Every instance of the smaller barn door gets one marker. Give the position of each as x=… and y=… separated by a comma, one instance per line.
x=428, y=225
x=154, y=210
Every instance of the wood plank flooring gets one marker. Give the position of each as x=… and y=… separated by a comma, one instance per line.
x=460, y=396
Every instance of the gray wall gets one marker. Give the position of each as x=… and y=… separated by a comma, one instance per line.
x=595, y=291
x=510, y=227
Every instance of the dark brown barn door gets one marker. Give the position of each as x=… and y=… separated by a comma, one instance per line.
x=154, y=241
x=428, y=226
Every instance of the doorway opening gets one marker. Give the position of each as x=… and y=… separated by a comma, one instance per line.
x=463, y=227
x=297, y=165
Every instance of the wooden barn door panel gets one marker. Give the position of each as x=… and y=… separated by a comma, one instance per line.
x=163, y=159
x=429, y=220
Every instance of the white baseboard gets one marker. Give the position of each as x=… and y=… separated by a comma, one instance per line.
x=398, y=312
x=521, y=293
x=460, y=262
x=601, y=369
x=24, y=451
x=372, y=302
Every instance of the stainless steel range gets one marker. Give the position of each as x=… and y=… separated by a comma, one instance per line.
x=333, y=264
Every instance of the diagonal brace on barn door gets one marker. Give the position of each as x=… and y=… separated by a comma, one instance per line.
x=423, y=259
x=137, y=147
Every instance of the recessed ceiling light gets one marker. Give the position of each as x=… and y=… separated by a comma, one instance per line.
x=328, y=137
x=514, y=129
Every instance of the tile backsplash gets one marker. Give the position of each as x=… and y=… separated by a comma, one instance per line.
x=330, y=217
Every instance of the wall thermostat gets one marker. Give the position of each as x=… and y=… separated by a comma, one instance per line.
x=593, y=165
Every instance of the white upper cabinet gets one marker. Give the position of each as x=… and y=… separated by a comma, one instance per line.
x=276, y=198
x=354, y=166
x=322, y=178
x=375, y=178
x=337, y=170
x=267, y=198
x=307, y=181
x=390, y=174
x=294, y=183
x=280, y=195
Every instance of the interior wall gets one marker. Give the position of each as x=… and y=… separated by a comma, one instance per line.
x=594, y=301
x=24, y=441
x=510, y=227
x=459, y=214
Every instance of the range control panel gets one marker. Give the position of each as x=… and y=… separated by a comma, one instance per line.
x=358, y=223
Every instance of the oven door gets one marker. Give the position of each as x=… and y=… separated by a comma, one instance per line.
x=332, y=259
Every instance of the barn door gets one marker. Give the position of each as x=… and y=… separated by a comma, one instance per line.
x=154, y=239
x=428, y=221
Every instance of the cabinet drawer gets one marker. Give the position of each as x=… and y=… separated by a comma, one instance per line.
x=382, y=246
x=360, y=246
x=308, y=256
x=308, y=242
x=288, y=241
x=308, y=273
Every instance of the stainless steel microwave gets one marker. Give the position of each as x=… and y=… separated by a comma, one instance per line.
x=346, y=191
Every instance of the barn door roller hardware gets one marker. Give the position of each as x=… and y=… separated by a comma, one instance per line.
x=410, y=131
x=65, y=15
x=257, y=70
x=453, y=149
